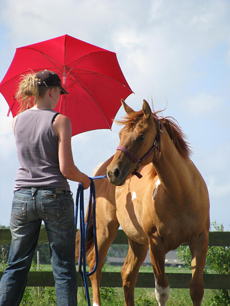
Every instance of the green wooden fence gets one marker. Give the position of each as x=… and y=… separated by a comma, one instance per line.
x=145, y=280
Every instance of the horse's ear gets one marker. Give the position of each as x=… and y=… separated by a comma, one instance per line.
x=146, y=109
x=128, y=109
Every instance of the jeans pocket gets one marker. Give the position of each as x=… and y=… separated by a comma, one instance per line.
x=53, y=209
x=18, y=211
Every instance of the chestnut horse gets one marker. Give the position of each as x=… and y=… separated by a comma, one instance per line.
x=166, y=207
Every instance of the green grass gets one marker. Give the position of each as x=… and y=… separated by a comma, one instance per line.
x=45, y=296
x=112, y=297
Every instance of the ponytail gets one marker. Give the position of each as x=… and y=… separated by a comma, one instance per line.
x=28, y=92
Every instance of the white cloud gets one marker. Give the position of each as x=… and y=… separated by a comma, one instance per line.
x=203, y=104
x=214, y=163
x=7, y=143
x=160, y=59
x=221, y=190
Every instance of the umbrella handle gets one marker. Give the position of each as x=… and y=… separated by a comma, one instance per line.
x=83, y=231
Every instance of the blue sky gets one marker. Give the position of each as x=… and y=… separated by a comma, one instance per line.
x=175, y=53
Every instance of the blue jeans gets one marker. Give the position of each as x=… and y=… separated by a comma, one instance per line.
x=56, y=208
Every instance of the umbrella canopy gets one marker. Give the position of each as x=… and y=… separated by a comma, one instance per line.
x=91, y=75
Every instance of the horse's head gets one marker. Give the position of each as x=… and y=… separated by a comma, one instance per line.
x=139, y=141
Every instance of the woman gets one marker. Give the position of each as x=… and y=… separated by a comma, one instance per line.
x=43, y=140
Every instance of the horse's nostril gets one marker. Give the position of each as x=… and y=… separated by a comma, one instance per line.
x=116, y=172
x=109, y=174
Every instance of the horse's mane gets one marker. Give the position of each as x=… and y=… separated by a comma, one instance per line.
x=171, y=125
x=177, y=136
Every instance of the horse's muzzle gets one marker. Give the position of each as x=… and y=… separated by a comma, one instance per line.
x=115, y=176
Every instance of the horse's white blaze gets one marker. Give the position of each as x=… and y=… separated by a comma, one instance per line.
x=162, y=294
x=158, y=182
x=134, y=196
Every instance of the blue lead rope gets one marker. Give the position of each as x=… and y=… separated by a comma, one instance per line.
x=84, y=229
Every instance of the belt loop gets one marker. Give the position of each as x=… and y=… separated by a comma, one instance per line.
x=65, y=192
x=34, y=191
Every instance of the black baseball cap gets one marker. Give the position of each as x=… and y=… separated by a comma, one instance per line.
x=50, y=79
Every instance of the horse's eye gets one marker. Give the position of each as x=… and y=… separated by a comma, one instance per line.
x=141, y=137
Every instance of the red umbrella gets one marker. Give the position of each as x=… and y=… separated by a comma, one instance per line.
x=91, y=75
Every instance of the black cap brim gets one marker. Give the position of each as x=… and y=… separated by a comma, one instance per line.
x=63, y=91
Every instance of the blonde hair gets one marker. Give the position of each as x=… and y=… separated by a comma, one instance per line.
x=28, y=91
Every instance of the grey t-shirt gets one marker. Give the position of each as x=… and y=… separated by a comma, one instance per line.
x=37, y=148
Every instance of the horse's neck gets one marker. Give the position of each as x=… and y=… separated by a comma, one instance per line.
x=172, y=168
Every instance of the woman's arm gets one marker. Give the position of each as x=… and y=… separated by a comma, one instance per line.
x=62, y=128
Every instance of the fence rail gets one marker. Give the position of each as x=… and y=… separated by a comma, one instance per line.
x=145, y=280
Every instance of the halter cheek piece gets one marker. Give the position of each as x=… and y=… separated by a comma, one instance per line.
x=156, y=145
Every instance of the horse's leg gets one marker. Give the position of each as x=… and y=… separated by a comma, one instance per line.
x=105, y=236
x=129, y=272
x=157, y=256
x=199, y=250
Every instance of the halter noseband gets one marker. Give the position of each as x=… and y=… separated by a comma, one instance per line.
x=156, y=145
